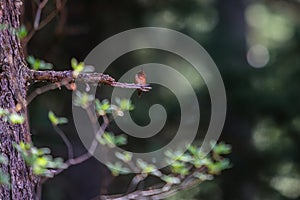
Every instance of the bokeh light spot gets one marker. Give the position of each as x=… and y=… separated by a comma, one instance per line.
x=258, y=56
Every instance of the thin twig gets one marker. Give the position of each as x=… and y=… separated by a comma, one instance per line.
x=66, y=141
x=133, y=166
x=47, y=19
x=134, y=195
x=98, y=133
x=40, y=23
x=104, y=125
x=38, y=14
x=36, y=22
x=89, y=153
x=93, y=118
x=59, y=6
x=159, y=192
x=135, y=181
x=144, y=88
x=40, y=91
x=44, y=89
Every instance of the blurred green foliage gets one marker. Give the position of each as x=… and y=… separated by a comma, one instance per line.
x=4, y=178
x=38, y=64
x=12, y=117
x=111, y=140
x=40, y=160
x=56, y=120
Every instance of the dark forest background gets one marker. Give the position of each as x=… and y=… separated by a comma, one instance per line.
x=256, y=46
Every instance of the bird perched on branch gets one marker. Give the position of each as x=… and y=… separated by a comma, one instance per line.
x=140, y=79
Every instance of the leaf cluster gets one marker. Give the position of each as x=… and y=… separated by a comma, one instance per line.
x=189, y=166
x=11, y=116
x=42, y=163
x=38, y=64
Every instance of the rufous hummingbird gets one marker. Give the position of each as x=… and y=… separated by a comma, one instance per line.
x=140, y=79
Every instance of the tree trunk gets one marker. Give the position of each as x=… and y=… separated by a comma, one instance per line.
x=13, y=73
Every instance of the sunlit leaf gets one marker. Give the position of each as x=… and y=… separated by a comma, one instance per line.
x=38, y=64
x=16, y=118
x=56, y=120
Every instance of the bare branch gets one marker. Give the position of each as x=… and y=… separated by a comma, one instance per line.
x=98, y=133
x=158, y=191
x=38, y=14
x=135, y=181
x=91, y=150
x=44, y=89
x=59, y=76
x=66, y=141
x=60, y=4
x=47, y=19
x=139, y=194
x=40, y=23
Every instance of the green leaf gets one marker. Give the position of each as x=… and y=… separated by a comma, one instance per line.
x=40, y=160
x=44, y=150
x=62, y=120
x=37, y=170
x=59, y=163
x=117, y=169
x=3, y=160
x=74, y=63
x=52, y=118
x=179, y=168
x=156, y=173
x=38, y=64
x=16, y=118
x=103, y=107
x=77, y=67
x=217, y=167
x=170, y=179
x=145, y=167
x=196, y=152
x=31, y=60
x=107, y=139
x=222, y=149
x=125, y=156
x=88, y=69
x=3, y=112
x=173, y=154
x=177, y=155
x=203, y=177
x=120, y=140
x=125, y=104
x=186, y=158
x=83, y=99
x=22, y=32
x=4, y=178
x=56, y=120
x=201, y=162
x=111, y=140
x=141, y=164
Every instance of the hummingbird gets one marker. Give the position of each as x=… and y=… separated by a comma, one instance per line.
x=140, y=79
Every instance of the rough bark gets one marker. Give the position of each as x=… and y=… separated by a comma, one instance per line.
x=13, y=75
